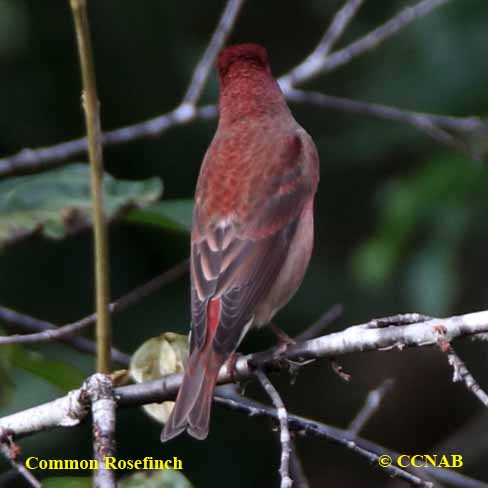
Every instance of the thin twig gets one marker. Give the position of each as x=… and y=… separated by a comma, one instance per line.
x=315, y=59
x=220, y=35
x=121, y=304
x=370, y=407
x=322, y=323
x=303, y=426
x=10, y=452
x=91, y=108
x=461, y=372
x=374, y=38
x=26, y=323
x=297, y=473
x=36, y=159
x=435, y=126
x=355, y=339
x=99, y=390
x=285, y=438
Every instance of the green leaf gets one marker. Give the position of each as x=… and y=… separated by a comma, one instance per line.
x=62, y=375
x=156, y=479
x=58, y=202
x=173, y=215
x=67, y=482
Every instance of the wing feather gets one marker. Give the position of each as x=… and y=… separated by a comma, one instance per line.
x=238, y=261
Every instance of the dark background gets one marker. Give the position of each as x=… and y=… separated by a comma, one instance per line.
x=401, y=222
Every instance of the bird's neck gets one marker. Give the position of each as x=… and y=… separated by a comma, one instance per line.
x=246, y=93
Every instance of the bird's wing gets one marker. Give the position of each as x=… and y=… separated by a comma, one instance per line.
x=235, y=263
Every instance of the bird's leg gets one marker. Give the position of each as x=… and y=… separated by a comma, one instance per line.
x=283, y=339
x=231, y=365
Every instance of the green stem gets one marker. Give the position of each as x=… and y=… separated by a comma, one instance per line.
x=92, y=119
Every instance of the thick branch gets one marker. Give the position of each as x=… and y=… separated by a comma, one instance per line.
x=354, y=339
x=99, y=390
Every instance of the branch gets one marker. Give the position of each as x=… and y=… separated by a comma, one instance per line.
x=25, y=322
x=59, y=333
x=322, y=323
x=461, y=372
x=371, y=40
x=370, y=407
x=91, y=107
x=217, y=41
x=312, y=63
x=355, y=339
x=10, y=451
x=435, y=126
x=184, y=113
x=285, y=439
x=99, y=390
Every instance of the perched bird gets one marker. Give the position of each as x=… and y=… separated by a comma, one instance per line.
x=252, y=233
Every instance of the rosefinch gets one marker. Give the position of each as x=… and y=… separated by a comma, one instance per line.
x=252, y=233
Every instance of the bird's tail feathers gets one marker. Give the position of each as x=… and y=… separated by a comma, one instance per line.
x=193, y=403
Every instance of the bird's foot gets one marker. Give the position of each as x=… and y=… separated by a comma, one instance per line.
x=283, y=339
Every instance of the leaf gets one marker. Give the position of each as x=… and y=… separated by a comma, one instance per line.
x=62, y=375
x=57, y=203
x=156, y=357
x=173, y=215
x=67, y=482
x=156, y=479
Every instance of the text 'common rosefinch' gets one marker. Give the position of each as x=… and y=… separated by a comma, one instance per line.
x=252, y=233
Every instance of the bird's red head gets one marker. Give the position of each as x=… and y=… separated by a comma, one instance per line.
x=242, y=55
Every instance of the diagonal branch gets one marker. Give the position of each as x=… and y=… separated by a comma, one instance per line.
x=37, y=159
x=285, y=439
x=312, y=63
x=134, y=296
x=374, y=38
x=23, y=322
x=220, y=35
x=354, y=339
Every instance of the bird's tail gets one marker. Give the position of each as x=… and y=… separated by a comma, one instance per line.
x=193, y=403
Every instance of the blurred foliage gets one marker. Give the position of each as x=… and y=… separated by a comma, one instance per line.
x=400, y=222
x=58, y=202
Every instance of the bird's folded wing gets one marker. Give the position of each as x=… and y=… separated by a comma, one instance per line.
x=237, y=262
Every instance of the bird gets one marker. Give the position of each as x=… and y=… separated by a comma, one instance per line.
x=252, y=228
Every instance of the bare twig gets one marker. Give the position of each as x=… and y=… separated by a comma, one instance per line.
x=99, y=390
x=297, y=472
x=202, y=70
x=121, y=304
x=10, y=452
x=461, y=372
x=435, y=126
x=303, y=426
x=91, y=107
x=323, y=322
x=309, y=66
x=374, y=38
x=285, y=439
x=355, y=339
x=32, y=159
x=26, y=323
x=370, y=407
